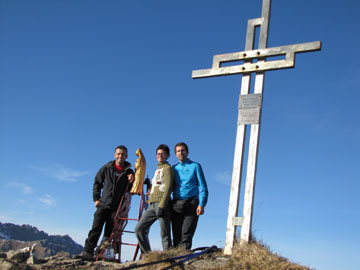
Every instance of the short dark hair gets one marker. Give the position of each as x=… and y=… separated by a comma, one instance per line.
x=181, y=144
x=163, y=147
x=122, y=147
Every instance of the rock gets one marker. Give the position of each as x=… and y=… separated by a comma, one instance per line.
x=59, y=262
x=3, y=255
x=10, y=265
x=18, y=256
x=32, y=260
x=64, y=254
x=210, y=264
x=5, y=265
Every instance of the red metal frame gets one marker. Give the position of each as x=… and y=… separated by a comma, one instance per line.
x=120, y=221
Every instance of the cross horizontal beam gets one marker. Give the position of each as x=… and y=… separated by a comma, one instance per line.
x=261, y=54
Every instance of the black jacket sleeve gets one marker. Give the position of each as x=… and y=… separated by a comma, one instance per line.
x=98, y=184
x=130, y=171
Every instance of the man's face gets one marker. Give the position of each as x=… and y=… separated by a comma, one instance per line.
x=181, y=153
x=120, y=156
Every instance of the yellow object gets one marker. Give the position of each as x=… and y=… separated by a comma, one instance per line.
x=140, y=168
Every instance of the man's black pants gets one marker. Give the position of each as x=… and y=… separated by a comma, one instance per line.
x=184, y=221
x=101, y=216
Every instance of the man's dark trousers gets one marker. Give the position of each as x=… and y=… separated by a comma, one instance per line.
x=184, y=221
x=101, y=216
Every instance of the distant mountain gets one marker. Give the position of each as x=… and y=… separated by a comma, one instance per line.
x=15, y=237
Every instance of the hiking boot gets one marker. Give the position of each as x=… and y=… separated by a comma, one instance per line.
x=85, y=255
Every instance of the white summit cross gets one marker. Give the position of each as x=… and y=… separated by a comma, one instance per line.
x=253, y=60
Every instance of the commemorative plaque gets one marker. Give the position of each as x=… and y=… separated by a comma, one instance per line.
x=249, y=109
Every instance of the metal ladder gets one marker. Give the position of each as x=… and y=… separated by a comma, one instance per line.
x=121, y=219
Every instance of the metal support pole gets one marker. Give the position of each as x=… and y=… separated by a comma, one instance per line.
x=251, y=169
x=236, y=176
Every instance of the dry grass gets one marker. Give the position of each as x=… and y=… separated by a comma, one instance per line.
x=256, y=256
x=252, y=256
x=159, y=255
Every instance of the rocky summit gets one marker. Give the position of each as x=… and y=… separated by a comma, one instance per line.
x=25, y=259
x=42, y=251
x=26, y=247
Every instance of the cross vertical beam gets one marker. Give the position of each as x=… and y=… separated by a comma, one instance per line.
x=250, y=113
x=245, y=221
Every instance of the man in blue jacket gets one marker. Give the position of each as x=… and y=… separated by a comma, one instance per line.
x=189, y=197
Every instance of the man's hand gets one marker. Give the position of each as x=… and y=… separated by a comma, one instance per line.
x=200, y=210
x=96, y=203
x=131, y=178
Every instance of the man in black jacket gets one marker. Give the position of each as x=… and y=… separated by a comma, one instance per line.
x=114, y=178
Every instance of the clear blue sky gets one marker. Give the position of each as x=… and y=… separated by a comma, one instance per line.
x=79, y=77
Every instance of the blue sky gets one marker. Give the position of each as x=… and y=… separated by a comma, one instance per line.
x=79, y=77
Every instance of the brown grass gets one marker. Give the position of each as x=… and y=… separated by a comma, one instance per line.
x=252, y=256
x=159, y=255
x=257, y=256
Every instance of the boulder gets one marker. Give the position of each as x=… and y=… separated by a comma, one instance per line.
x=33, y=260
x=11, y=265
x=19, y=256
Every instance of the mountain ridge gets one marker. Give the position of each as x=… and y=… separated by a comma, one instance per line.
x=14, y=236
